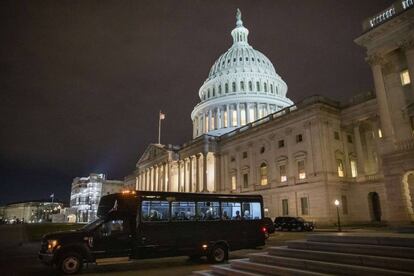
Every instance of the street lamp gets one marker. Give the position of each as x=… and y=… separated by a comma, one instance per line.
x=337, y=213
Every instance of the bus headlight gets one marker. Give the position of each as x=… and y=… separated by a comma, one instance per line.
x=51, y=245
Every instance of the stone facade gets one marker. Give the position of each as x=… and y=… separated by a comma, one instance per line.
x=304, y=156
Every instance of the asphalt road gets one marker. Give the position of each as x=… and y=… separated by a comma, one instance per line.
x=20, y=258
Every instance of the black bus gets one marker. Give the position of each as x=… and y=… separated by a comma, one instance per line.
x=143, y=224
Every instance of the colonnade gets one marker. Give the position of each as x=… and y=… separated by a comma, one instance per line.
x=231, y=115
x=189, y=174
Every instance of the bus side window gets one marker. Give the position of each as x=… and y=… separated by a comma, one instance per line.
x=207, y=210
x=231, y=211
x=251, y=210
x=183, y=211
x=154, y=210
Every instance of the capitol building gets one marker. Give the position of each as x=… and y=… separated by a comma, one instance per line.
x=250, y=138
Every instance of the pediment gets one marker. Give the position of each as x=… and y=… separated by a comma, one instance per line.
x=153, y=152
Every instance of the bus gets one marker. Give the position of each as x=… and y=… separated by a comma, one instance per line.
x=144, y=224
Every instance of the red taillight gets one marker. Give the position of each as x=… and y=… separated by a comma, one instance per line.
x=264, y=229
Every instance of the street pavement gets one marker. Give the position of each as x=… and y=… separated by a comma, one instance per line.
x=19, y=257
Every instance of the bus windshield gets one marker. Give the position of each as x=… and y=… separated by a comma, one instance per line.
x=92, y=225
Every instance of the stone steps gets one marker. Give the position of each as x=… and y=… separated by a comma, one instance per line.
x=329, y=254
x=374, y=250
x=334, y=268
x=402, y=264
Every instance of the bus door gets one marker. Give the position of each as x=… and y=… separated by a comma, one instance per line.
x=113, y=237
x=154, y=232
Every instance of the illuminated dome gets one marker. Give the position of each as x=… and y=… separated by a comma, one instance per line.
x=242, y=87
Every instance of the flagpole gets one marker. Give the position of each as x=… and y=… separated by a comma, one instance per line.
x=159, y=128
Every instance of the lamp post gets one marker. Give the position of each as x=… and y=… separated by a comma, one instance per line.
x=337, y=213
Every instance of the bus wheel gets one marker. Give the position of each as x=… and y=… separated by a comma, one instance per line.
x=218, y=254
x=70, y=263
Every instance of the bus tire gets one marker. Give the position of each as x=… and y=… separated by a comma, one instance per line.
x=70, y=263
x=219, y=253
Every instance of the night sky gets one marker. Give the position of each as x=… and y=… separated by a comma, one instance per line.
x=81, y=82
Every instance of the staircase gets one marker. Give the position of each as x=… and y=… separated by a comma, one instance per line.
x=329, y=254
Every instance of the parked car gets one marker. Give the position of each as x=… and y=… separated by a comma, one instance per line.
x=269, y=225
x=293, y=224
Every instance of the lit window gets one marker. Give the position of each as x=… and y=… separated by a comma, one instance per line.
x=233, y=182
x=405, y=78
x=234, y=118
x=304, y=206
x=251, y=114
x=243, y=115
x=379, y=133
x=301, y=169
x=263, y=174
x=340, y=166
x=283, y=176
x=354, y=171
x=206, y=124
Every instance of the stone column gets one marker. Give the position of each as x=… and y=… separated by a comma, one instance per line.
x=228, y=115
x=185, y=184
x=376, y=63
x=247, y=113
x=308, y=140
x=238, y=114
x=359, y=149
x=179, y=175
x=205, y=172
x=197, y=173
x=169, y=181
x=217, y=172
x=209, y=121
x=154, y=179
x=190, y=177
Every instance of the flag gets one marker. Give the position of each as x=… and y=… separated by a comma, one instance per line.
x=162, y=116
x=52, y=195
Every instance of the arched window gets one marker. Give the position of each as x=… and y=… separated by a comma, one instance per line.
x=271, y=88
x=242, y=85
x=250, y=86
x=208, y=93
x=258, y=86
x=265, y=87
x=214, y=92
x=219, y=89
x=226, y=87
x=263, y=174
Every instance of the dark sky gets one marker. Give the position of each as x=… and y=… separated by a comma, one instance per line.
x=81, y=82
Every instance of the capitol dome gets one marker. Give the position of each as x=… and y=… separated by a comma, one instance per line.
x=242, y=87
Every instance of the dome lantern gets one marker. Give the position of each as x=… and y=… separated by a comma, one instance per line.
x=239, y=33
